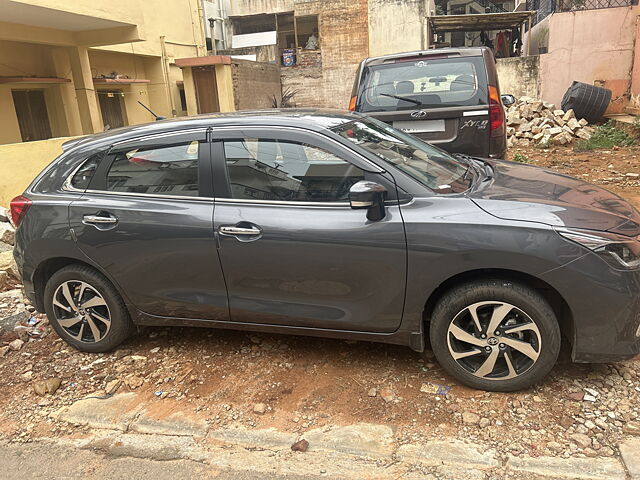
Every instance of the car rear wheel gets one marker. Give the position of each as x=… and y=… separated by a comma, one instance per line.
x=86, y=310
x=495, y=335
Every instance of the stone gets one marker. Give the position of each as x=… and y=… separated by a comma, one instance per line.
x=558, y=113
x=630, y=453
x=300, y=446
x=372, y=392
x=470, y=418
x=40, y=388
x=387, y=395
x=16, y=345
x=632, y=175
x=4, y=350
x=576, y=396
x=554, y=131
x=555, y=446
x=580, y=439
x=112, y=386
x=177, y=424
x=567, y=468
x=631, y=428
x=449, y=452
x=484, y=422
x=569, y=115
x=113, y=413
x=259, y=408
x=134, y=381
x=582, y=133
x=573, y=124
x=52, y=385
x=583, y=122
x=7, y=234
x=359, y=439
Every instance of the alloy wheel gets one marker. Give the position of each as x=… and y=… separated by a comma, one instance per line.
x=494, y=340
x=81, y=311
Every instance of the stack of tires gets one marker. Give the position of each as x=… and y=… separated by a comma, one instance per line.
x=587, y=101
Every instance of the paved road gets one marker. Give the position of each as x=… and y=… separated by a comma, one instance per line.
x=53, y=462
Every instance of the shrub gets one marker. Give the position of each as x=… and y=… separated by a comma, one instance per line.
x=606, y=136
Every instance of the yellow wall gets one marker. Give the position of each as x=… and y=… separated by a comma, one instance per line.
x=396, y=27
x=22, y=162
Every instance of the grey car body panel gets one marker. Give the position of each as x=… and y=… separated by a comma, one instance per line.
x=494, y=227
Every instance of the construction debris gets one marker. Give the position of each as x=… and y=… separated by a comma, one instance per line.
x=533, y=122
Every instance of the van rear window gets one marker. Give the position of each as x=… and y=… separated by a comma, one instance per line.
x=441, y=82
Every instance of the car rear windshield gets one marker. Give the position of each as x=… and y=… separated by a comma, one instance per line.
x=427, y=83
x=430, y=166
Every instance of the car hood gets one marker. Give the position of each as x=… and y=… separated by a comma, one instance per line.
x=528, y=193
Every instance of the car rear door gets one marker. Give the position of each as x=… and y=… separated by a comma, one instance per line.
x=293, y=251
x=440, y=98
x=147, y=221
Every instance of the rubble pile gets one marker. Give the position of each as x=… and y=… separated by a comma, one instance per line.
x=533, y=122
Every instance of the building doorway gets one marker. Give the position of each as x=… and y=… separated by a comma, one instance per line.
x=112, y=108
x=204, y=79
x=33, y=118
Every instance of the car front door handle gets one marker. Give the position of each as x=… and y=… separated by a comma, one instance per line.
x=234, y=231
x=94, y=219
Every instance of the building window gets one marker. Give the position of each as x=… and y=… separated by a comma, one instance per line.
x=112, y=108
x=307, y=31
x=33, y=118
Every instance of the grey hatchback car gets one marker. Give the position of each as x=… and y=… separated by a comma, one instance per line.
x=330, y=224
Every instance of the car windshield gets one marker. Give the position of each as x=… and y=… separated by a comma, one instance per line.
x=433, y=83
x=427, y=164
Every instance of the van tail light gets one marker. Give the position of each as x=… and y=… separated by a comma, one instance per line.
x=19, y=207
x=496, y=112
x=352, y=104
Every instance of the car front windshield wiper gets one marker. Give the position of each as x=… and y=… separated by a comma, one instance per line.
x=481, y=167
x=417, y=102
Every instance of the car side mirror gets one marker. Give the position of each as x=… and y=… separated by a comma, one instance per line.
x=507, y=99
x=370, y=196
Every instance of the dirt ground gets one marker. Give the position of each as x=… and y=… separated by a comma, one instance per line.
x=308, y=382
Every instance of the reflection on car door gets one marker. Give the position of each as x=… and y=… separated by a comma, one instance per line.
x=146, y=219
x=292, y=250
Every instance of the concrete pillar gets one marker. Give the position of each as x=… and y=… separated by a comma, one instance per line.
x=9, y=128
x=69, y=113
x=224, y=82
x=159, y=94
x=190, y=91
x=86, y=96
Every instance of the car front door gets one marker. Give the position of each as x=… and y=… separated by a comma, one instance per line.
x=147, y=220
x=292, y=250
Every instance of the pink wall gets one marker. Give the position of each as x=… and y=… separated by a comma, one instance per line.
x=591, y=46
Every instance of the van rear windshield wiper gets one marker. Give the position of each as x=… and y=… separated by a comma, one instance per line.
x=417, y=102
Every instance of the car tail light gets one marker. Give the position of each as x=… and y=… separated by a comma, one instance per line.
x=496, y=112
x=352, y=104
x=19, y=207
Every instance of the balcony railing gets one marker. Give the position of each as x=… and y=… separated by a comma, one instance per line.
x=546, y=7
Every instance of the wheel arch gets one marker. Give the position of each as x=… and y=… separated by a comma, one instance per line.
x=556, y=301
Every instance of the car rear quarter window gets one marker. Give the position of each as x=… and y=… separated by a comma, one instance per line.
x=281, y=170
x=423, y=83
x=84, y=174
x=166, y=170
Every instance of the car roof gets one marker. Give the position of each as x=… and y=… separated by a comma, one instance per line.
x=316, y=119
x=458, y=51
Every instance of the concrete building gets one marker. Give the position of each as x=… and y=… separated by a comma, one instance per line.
x=345, y=31
x=75, y=67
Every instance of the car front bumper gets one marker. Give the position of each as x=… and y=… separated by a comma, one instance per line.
x=605, y=308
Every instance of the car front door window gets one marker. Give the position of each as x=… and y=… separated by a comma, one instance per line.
x=282, y=170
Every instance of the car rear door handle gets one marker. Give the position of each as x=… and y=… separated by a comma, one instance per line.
x=231, y=230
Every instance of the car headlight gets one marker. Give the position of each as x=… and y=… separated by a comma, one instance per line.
x=617, y=250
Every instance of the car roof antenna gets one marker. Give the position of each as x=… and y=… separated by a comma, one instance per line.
x=158, y=117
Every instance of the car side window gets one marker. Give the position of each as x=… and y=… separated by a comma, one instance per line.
x=165, y=170
x=282, y=170
x=83, y=176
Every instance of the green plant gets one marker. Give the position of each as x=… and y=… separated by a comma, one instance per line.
x=606, y=136
x=520, y=158
x=636, y=124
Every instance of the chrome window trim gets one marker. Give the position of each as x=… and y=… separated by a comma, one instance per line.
x=147, y=195
x=282, y=203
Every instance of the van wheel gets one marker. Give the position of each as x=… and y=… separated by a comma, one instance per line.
x=495, y=335
x=86, y=310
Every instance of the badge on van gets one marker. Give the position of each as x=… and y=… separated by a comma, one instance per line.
x=418, y=114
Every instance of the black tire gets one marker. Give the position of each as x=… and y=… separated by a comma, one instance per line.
x=587, y=101
x=530, y=308
x=120, y=326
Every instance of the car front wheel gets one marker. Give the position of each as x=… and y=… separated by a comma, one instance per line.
x=86, y=310
x=495, y=335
